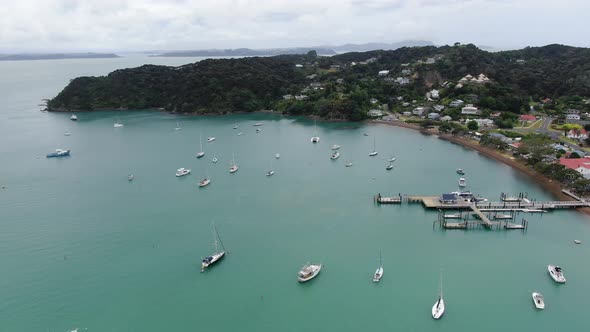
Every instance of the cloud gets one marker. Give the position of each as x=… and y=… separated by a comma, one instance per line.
x=95, y=25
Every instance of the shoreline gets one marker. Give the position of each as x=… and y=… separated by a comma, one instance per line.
x=547, y=184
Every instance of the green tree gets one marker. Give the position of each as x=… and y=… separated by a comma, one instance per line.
x=472, y=125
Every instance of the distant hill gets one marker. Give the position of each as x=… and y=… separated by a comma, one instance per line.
x=55, y=56
x=379, y=46
x=246, y=52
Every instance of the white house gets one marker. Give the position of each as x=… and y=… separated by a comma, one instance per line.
x=418, y=111
x=434, y=94
x=572, y=111
x=407, y=113
x=405, y=64
x=430, y=61
x=484, y=122
x=406, y=71
x=572, y=117
x=469, y=109
x=301, y=97
x=456, y=103
x=375, y=113
x=577, y=134
x=434, y=116
x=383, y=72
x=405, y=104
x=287, y=97
x=374, y=101
x=402, y=80
x=438, y=108
x=298, y=65
x=446, y=118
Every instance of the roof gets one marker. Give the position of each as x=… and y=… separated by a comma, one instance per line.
x=448, y=197
x=575, y=163
x=527, y=117
x=578, y=132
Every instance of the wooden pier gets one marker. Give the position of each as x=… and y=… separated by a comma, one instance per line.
x=387, y=200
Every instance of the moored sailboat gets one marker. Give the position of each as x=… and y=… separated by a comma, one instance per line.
x=234, y=167
x=379, y=272
x=315, y=138
x=217, y=255
x=201, y=153
x=438, y=309
x=374, y=152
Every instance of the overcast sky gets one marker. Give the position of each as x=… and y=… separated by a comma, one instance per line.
x=118, y=25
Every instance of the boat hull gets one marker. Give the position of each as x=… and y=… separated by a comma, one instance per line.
x=200, y=154
x=302, y=279
x=378, y=275
x=58, y=154
x=204, y=183
x=438, y=309
x=558, y=277
x=208, y=261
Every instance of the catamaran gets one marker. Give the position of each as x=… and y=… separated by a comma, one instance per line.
x=217, y=255
x=201, y=154
x=556, y=273
x=308, y=272
x=374, y=153
x=335, y=155
x=438, y=309
x=538, y=300
x=379, y=272
x=234, y=167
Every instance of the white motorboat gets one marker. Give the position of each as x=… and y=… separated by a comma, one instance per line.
x=258, y=130
x=538, y=300
x=453, y=216
x=315, y=139
x=210, y=139
x=335, y=147
x=234, y=167
x=462, y=182
x=73, y=117
x=389, y=167
x=204, y=182
x=277, y=156
x=379, y=272
x=577, y=242
x=130, y=177
x=239, y=134
x=258, y=124
x=374, y=152
x=348, y=164
x=200, y=154
x=392, y=159
x=67, y=133
x=335, y=155
x=556, y=273
x=270, y=173
x=308, y=272
x=438, y=309
x=182, y=171
x=217, y=255
x=460, y=171
x=118, y=124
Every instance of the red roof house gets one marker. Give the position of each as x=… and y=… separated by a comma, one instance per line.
x=527, y=117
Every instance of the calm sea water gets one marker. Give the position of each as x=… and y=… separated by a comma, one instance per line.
x=83, y=248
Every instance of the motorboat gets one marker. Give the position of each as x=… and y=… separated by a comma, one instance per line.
x=335, y=147
x=239, y=134
x=73, y=117
x=210, y=139
x=217, y=255
x=118, y=124
x=59, y=153
x=577, y=242
x=392, y=159
x=335, y=155
x=182, y=172
x=389, y=167
x=460, y=171
x=270, y=173
x=462, y=182
x=258, y=124
x=315, y=139
x=365, y=134
x=236, y=126
x=308, y=272
x=258, y=130
x=538, y=300
x=438, y=309
x=178, y=127
x=204, y=182
x=277, y=156
x=453, y=216
x=200, y=154
x=556, y=273
x=130, y=177
x=348, y=164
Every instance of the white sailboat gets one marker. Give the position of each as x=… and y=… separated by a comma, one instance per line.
x=335, y=155
x=217, y=255
x=270, y=172
x=438, y=309
x=205, y=182
x=182, y=172
x=379, y=272
x=349, y=164
x=178, y=126
x=73, y=117
x=201, y=153
x=374, y=153
x=236, y=126
x=315, y=138
x=392, y=159
x=234, y=167
x=118, y=124
x=335, y=147
x=277, y=156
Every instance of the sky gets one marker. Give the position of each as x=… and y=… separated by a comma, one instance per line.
x=142, y=25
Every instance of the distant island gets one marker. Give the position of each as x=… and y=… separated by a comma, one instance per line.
x=54, y=56
x=321, y=50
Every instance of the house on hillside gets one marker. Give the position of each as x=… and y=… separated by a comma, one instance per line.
x=375, y=113
x=572, y=117
x=406, y=72
x=298, y=65
x=433, y=94
x=527, y=118
x=383, y=73
x=402, y=80
x=287, y=97
x=446, y=118
x=456, y=103
x=484, y=122
x=469, y=109
x=430, y=61
x=581, y=165
x=438, y=108
x=579, y=134
x=418, y=111
x=433, y=116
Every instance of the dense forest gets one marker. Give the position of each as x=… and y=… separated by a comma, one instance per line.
x=343, y=85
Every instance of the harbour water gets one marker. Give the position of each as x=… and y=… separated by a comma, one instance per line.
x=83, y=248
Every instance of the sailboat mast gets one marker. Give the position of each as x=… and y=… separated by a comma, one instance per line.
x=217, y=237
x=201, y=142
x=441, y=285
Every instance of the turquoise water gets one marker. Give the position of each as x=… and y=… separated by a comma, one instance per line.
x=81, y=247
